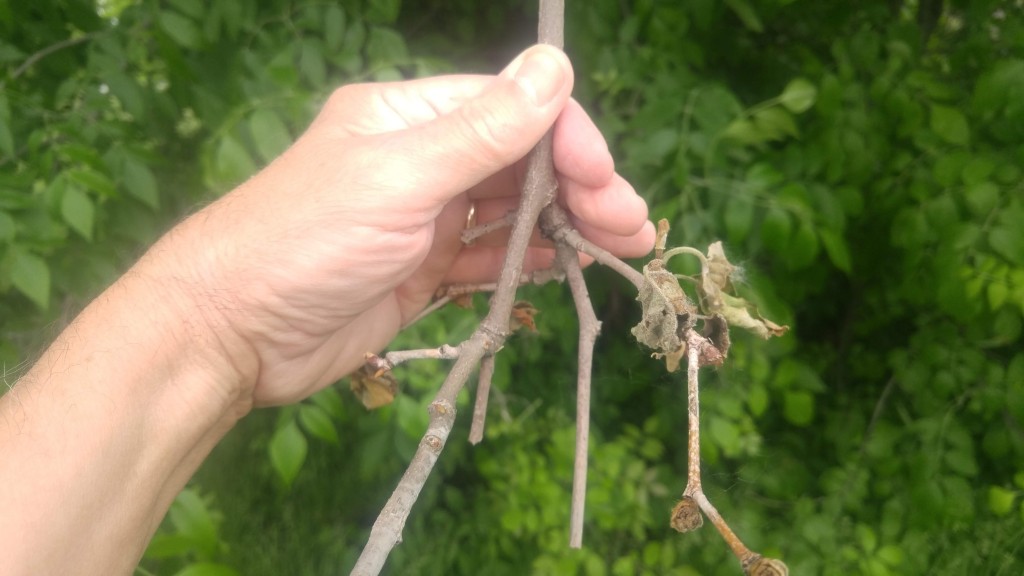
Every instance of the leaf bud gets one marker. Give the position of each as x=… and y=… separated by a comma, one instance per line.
x=686, y=515
x=764, y=566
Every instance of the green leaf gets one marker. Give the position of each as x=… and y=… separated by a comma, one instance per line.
x=192, y=8
x=891, y=555
x=92, y=180
x=182, y=31
x=383, y=11
x=776, y=124
x=385, y=47
x=997, y=292
x=316, y=421
x=126, y=90
x=746, y=14
x=798, y=407
x=1008, y=243
x=803, y=246
x=981, y=197
x=743, y=131
x=31, y=277
x=232, y=163
x=311, y=63
x=6, y=134
x=269, y=134
x=288, y=449
x=977, y=170
x=1000, y=500
x=950, y=124
x=7, y=227
x=141, y=183
x=334, y=27
x=776, y=228
x=169, y=546
x=207, y=569
x=190, y=516
x=798, y=96
x=330, y=400
x=837, y=249
x=757, y=399
x=739, y=218
x=78, y=211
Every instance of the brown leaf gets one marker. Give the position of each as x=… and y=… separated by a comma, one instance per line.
x=464, y=301
x=667, y=313
x=373, y=386
x=522, y=316
x=716, y=330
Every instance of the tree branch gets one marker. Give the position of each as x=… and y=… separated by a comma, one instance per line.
x=539, y=190
x=43, y=53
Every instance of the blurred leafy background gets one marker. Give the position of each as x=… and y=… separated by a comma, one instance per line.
x=862, y=159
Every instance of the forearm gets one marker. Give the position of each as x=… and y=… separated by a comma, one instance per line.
x=98, y=437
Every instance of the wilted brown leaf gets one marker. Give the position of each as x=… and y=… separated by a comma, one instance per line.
x=374, y=387
x=667, y=314
x=522, y=316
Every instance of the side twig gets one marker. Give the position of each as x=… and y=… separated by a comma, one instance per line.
x=449, y=293
x=469, y=235
x=684, y=517
x=589, y=328
x=483, y=392
x=558, y=228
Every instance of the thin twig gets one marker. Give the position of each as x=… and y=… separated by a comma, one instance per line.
x=43, y=53
x=396, y=357
x=589, y=328
x=539, y=189
x=693, y=485
x=752, y=562
x=483, y=390
x=559, y=229
x=449, y=293
x=469, y=235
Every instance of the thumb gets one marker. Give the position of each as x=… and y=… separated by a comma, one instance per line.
x=489, y=131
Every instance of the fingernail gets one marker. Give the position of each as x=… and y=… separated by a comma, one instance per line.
x=540, y=76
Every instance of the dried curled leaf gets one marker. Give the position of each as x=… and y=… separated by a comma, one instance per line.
x=686, y=515
x=739, y=312
x=764, y=566
x=464, y=301
x=720, y=270
x=667, y=313
x=714, y=284
x=374, y=387
x=522, y=316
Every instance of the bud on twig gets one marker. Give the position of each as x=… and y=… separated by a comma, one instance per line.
x=686, y=515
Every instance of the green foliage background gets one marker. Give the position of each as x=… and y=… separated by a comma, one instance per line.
x=862, y=159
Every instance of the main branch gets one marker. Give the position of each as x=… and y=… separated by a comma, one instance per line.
x=539, y=190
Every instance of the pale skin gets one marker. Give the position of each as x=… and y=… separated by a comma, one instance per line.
x=278, y=289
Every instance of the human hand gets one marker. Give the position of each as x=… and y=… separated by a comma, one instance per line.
x=327, y=252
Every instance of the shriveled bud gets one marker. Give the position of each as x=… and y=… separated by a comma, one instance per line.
x=764, y=566
x=686, y=515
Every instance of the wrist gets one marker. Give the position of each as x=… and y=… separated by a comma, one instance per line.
x=129, y=400
x=181, y=272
